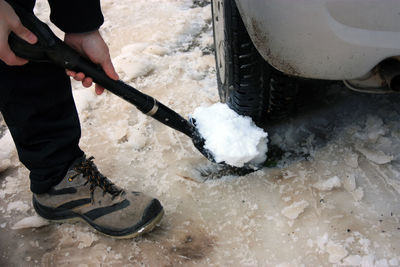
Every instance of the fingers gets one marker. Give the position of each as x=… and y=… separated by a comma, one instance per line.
x=99, y=89
x=109, y=69
x=80, y=77
x=10, y=58
x=9, y=22
x=92, y=46
x=86, y=81
x=13, y=23
x=22, y=32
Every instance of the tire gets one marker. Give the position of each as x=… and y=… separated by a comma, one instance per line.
x=246, y=82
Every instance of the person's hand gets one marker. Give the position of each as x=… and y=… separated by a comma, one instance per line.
x=92, y=46
x=9, y=22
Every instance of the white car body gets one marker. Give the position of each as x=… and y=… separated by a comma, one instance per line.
x=324, y=39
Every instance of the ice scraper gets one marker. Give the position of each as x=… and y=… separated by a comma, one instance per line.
x=50, y=48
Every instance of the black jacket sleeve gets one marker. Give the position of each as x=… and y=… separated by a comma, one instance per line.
x=76, y=16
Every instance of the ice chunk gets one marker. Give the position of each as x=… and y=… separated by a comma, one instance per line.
x=85, y=239
x=6, y=145
x=4, y=164
x=82, y=98
x=351, y=159
x=134, y=69
x=375, y=128
x=336, y=252
x=322, y=240
x=133, y=48
x=18, y=206
x=137, y=138
x=377, y=157
x=293, y=211
x=30, y=222
x=156, y=50
x=231, y=138
x=119, y=130
x=358, y=194
x=328, y=185
x=353, y=260
x=349, y=182
x=12, y=185
x=133, y=62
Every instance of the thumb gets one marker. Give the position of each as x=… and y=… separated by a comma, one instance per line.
x=109, y=69
x=22, y=32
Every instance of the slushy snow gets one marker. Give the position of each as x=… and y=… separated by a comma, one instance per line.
x=30, y=222
x=272, y=217
x=232, y=138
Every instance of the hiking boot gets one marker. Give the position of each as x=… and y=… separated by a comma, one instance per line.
x=85, y=194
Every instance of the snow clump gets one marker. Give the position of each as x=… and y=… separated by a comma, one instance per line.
x=328, y=185
x=232, y=138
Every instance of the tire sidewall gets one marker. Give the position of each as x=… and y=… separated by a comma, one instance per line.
x=222, y=21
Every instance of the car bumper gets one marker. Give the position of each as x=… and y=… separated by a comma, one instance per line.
x=323, y=39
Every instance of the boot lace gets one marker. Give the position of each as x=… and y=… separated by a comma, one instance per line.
x=89, y=170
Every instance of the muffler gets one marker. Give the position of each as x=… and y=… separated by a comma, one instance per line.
x=383, y=79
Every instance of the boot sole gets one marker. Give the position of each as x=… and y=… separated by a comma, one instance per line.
x=72, y=217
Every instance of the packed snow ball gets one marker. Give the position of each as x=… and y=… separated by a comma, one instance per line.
x=232, y=138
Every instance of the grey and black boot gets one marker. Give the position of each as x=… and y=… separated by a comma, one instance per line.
x=85, y=194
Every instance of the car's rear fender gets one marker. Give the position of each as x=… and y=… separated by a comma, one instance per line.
x=323, y=39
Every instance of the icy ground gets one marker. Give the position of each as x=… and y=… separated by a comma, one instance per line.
x=332, y=200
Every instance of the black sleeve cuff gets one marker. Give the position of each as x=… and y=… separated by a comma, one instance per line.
x=74, y=16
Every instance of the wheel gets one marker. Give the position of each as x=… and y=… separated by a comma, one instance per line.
x=246, y=82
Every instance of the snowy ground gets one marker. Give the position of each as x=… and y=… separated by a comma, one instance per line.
x=332, y=200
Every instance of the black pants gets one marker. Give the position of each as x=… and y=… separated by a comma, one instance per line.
x=38, y=108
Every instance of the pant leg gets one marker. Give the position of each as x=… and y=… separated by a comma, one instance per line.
x=37, y=105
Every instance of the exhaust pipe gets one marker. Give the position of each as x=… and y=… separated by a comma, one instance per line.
x=390, y=70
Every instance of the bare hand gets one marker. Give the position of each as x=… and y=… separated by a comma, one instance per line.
x=9, y=22
x=92, y=46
